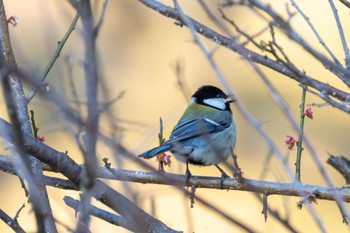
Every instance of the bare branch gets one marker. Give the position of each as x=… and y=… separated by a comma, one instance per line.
x=342, y=165
x=11, y=222
x=342, y=36
x=255, y=57
x=99, y=213
x=92, y=126
x=307, y=19
x=345, y=2
x=258, y=186
x=60, y=45
x=286, y=28
x=17, y=109
x=100, y=21
x=66, y=166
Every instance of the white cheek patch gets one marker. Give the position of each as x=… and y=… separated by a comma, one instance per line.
x=219, y=103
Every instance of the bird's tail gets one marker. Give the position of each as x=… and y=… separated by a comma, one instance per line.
x=153, y=152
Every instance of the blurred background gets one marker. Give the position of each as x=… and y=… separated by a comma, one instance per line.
x=138, y=52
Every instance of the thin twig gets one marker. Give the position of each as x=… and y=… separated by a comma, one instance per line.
x=286, y=28
x=301, y=134
x=11, y=222
x=277, y=215
x=161, y=141
x=307, y=19
x=265, y=206
x=32, y=120
x=261, y=59
x=18, y=212
x=341, y=33
x=330, y=101
x=101, y=19
x=178, y=68
x=248, y=37
x=60, y=45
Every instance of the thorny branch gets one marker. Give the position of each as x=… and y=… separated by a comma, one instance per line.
x=206, y=182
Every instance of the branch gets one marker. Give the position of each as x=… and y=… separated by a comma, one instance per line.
x=99, y=213
x=307, y=19
x=301, y=134
x=231, y=44
x=345, y=2
x=314, y=154
x=342, y=165
x=62, y=163
x=249, y=185
x=6, y=165
x=91, y=87
x=286, y=28
x=342, y=36
x=11, y=222
x=60, y=45
x=18, y=113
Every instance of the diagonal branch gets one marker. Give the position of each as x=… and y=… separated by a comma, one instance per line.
x=286, y=28
x=11, y=222
x=99, y=213
x=62, y=163
x=250, y=55
x=307, y=19
x=60, y=45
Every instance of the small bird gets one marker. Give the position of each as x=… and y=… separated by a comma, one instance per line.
x=205, y=134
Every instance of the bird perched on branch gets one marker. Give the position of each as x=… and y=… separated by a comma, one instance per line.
x=206, y=132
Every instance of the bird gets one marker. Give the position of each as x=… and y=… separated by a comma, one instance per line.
x=205, y=134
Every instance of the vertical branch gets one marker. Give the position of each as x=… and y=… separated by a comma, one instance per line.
x=32, y=119
x=301, y=134
x=265, y=206
x=18, y=113
x=161, y=141
x=91, y=85
x=89, y=33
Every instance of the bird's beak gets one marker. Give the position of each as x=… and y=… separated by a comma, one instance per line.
x=230, y=99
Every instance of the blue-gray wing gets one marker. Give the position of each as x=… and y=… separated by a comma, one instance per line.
x=193, y=128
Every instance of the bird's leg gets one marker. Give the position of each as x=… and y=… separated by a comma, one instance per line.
x=223, y=176
x=188, y=174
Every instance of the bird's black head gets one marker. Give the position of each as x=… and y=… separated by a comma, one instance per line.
x=211, y=96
